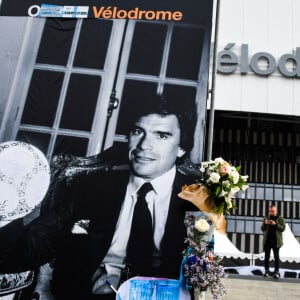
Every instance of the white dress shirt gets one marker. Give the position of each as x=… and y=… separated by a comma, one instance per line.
x=158, y=201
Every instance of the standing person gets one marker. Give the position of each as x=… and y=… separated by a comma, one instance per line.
x=118, y=213
x=273, y=226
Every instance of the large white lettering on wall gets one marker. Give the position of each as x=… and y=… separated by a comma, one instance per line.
x=228, y=61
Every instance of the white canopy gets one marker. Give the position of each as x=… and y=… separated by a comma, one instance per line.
x=224, y=247
x=290, y=251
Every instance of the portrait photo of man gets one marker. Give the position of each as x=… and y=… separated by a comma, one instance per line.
x=131, y=95
x=135, y=216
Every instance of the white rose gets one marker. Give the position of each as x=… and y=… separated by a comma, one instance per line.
x=235, y=176
x=214, y=177
x=244, y=187
x=202, y=170
x=245, y=177
x=201, y=225
x=219, y=160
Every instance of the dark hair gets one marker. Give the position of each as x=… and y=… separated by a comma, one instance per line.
x=185, y=111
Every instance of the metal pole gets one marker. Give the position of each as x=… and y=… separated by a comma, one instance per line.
x=212, y=102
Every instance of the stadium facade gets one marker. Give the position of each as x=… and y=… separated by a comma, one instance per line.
x=256, y=105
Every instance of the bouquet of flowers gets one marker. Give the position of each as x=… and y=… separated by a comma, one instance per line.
x=223, y=182
x=201, y=269
x=219, y=183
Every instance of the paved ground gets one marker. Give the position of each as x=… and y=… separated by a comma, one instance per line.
x=259, y=288
x=242, y=287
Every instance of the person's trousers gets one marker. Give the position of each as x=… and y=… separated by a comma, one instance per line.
x=275, y=249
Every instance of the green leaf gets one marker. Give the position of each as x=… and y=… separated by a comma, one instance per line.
x=218, y=190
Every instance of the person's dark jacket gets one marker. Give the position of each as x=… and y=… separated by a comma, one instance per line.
x=280, y=227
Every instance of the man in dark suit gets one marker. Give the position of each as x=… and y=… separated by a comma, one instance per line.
x=116, y=238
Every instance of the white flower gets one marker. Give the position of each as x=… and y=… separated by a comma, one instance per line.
x=223, y=193
x=226, y=183
x=228, y=202
x=214, y=177
x=219, y=160
x=244, y=177
x=244, y=187
x=233, y=191
x=202, y=169
x=235, y=176
x=204, y=164
x=201, y=225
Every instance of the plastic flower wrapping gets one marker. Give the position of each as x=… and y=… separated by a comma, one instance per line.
x=201, y=269
x=214, y=191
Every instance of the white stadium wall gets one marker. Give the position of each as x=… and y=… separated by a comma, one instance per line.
x=271, y=27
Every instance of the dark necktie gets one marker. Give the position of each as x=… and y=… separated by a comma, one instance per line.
x=140, y=243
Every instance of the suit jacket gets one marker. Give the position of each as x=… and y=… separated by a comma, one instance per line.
x=97, y=197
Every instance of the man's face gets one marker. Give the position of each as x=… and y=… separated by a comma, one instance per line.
x=273, y=211
x=154, y=145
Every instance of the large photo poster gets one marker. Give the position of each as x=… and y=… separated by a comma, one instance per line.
x=113, y=93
